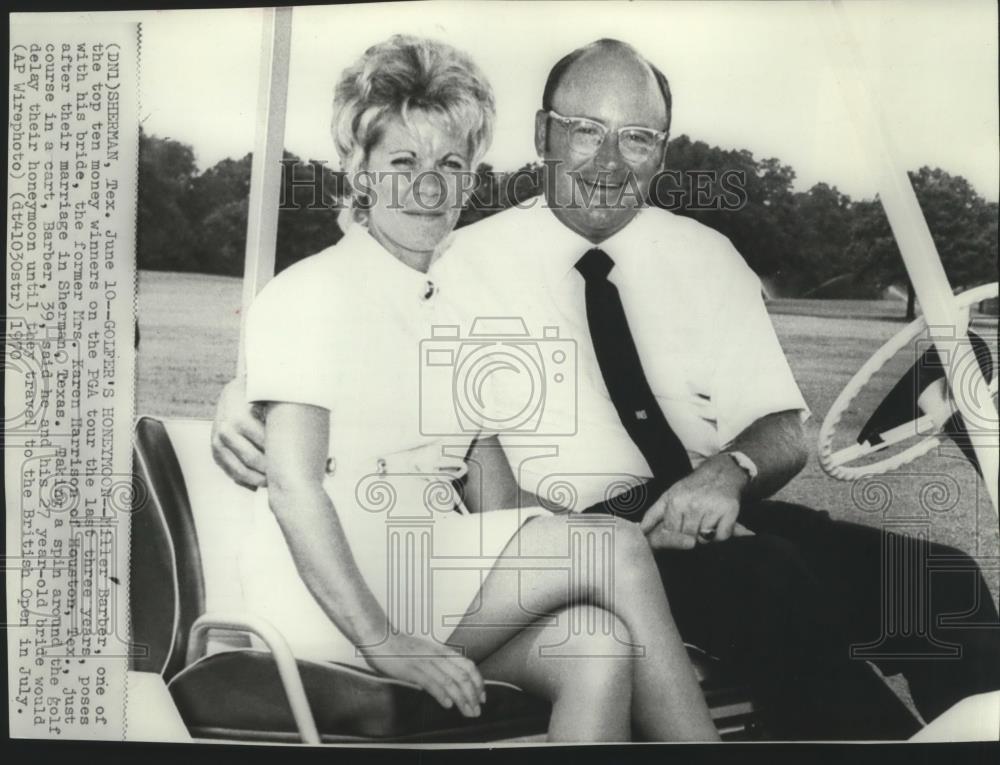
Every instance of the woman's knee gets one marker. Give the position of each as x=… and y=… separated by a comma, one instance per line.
x=631, y=544
x=597, y=548
x=564, y=532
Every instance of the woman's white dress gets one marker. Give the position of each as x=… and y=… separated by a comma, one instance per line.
x=359, y=333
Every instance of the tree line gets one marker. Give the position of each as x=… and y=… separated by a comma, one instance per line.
x=816, y=243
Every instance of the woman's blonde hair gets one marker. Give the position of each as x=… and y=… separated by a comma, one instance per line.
x=399, y=75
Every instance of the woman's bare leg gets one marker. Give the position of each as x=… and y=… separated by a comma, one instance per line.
x=668, y=704
x=591, y=697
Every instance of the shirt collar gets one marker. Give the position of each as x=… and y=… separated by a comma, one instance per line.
x=564, y=247
x=357, y=239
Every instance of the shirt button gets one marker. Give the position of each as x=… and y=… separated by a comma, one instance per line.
x=429, y=290
x=331, y=465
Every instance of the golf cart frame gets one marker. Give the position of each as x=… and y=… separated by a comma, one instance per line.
x=224, y=689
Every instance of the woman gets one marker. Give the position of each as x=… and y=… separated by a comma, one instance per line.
x=365, y=500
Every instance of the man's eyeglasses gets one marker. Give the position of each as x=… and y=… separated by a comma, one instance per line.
x=636, y=144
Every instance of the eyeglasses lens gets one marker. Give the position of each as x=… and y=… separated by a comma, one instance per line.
x=636, y=145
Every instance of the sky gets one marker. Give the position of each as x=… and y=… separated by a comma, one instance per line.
x=757, y=75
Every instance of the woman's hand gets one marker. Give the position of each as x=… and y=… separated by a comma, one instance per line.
x=441, y=671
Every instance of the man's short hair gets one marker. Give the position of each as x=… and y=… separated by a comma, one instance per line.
x=559, y=70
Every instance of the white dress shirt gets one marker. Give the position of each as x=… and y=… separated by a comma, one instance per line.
x=696, y=313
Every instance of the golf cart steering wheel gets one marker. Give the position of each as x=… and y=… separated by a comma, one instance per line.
x=926, y=427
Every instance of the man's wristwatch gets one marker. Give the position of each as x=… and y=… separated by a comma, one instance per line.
x=744, y=462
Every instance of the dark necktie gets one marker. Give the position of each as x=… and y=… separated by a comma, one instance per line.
x=630, y=393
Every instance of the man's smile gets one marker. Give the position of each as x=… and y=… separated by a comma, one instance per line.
x=424, y=213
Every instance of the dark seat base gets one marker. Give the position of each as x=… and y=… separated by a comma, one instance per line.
x=238, y=695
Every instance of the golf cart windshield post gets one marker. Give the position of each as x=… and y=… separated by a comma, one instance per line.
x=947, y=325
x=265, y=172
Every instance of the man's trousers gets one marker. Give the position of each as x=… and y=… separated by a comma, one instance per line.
x=800, y=608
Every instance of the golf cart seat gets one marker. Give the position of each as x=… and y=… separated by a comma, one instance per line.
x=190, y=627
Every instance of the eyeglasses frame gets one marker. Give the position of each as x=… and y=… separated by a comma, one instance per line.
x=660, y=136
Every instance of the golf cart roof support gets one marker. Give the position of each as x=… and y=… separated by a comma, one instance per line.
x=265, y=172
x=947, y=325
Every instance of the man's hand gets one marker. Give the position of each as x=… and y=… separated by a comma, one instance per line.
x=238, y=437
x=702, y=507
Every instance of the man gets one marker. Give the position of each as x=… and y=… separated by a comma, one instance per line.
x=783, y=604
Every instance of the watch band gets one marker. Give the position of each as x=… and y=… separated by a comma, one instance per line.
x=747, y=464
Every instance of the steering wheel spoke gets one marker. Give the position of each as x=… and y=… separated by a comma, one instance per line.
x=844, y=463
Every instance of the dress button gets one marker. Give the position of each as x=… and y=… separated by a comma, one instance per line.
x=331, y=465
x=380, y=466
x=429, y=290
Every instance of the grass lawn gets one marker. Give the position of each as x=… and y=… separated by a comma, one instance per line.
x=190, y=325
